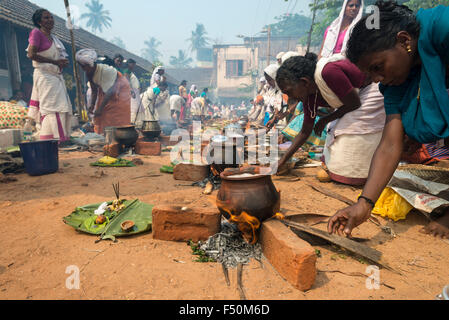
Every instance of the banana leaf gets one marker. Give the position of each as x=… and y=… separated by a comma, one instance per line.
x=83, y=219
x=119, y=163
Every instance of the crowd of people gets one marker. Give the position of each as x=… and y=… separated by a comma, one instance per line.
x=114, y=95
x=331, y=100
x=334, y=100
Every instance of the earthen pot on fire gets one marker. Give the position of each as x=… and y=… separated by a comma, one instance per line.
x=248, y=200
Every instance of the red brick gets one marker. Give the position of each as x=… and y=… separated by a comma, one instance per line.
x=112, y=150
x=148, y=148
x=191, y=172
x=172, y=223
x=292, y=257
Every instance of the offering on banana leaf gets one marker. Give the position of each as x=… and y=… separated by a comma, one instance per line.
x=101, y=219
x=117, y=205
x=112, y=162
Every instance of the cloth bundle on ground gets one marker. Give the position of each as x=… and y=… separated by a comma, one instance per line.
x=12, y=116
x=424, y=188
x=83, y=219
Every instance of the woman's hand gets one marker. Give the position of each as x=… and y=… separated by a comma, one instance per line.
x=345, y=220
x=270, y=124
x=62, y=63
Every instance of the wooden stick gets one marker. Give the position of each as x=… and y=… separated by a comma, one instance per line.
x=79, y=94
x=348, y=244
x=331, y=194
x=355, y=274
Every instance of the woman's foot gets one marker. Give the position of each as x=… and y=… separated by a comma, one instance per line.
x=439, y=227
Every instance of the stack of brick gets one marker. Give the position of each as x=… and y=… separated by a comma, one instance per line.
x=148, y=148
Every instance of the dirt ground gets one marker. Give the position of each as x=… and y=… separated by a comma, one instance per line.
x=37, y=247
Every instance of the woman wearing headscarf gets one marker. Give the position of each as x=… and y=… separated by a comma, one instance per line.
x=111, y=93
x=156, y=102
x=337, y=34
x=50, y=104
x=157, y=77
x=273, y=96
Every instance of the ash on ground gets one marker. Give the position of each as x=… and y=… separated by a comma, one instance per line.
x=229, y=248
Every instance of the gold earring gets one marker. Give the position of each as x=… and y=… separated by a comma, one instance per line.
x=409, y=49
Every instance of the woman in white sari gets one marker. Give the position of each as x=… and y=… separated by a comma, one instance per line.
x=157, y=77
x=50, y=104
x=156, y=103
x=137, y=109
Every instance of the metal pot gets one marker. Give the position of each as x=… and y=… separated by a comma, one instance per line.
x=151, y=135
x=126, y=136
x=248, y=201
x=151, y=126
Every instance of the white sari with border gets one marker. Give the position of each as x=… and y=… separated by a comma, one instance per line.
x=50, y=104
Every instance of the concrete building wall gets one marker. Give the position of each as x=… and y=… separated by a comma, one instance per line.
x=234, y=67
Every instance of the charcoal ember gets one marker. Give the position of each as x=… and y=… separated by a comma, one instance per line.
x=229, y=248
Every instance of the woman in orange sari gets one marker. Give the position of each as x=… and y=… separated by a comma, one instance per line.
x=113, y=106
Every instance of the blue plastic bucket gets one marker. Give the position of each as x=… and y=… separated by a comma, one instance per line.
x=40, y=157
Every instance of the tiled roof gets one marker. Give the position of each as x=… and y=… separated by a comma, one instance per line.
x=20, y=12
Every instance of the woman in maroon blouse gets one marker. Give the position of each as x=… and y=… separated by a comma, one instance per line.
x=50, y=104
x=355, y=125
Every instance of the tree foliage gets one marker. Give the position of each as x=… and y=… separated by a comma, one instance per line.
x=328, y=11
x=290, y=25
x=150, y=51
x=182, y=61
x=198, y=38
x=415, y=5
x=97, y=17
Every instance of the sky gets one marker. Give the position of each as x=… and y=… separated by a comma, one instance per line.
x=172, y=21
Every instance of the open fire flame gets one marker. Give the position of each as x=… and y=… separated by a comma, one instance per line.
x=246, y=223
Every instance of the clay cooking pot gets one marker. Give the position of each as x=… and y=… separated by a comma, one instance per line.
x=246, y=197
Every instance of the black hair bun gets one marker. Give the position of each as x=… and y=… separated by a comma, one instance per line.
x=386, y=6
x=311, y=56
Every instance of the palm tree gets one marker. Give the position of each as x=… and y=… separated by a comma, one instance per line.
x=118, y=42
x=150, y=52
x=97, y=16
x=182, y=61
x=198, y=38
